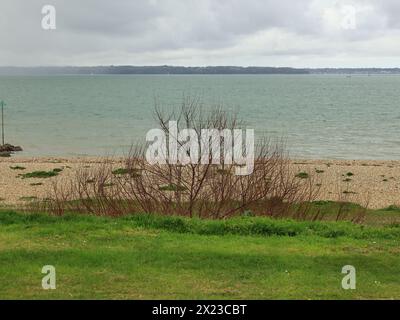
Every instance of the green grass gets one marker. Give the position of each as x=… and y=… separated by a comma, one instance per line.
x=153, y=257
x=381, y=217
x=29, y=198
x=392, y=208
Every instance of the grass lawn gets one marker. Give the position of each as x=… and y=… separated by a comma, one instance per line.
x=150, y=257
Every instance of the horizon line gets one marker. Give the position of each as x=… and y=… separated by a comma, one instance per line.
x=188, y=67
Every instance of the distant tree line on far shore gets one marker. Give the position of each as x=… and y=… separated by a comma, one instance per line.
x=165, y=70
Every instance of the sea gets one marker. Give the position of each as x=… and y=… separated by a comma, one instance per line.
x=319, y=116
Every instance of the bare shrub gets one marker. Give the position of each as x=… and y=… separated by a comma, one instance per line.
x=208, y=190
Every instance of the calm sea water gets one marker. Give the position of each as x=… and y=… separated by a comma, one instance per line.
x=320, y=116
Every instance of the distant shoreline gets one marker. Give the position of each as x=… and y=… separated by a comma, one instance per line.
x=177, y=70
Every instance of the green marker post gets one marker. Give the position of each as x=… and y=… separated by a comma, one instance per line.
x=2, y=121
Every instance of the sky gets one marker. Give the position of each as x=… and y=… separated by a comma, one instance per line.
x=293, y=33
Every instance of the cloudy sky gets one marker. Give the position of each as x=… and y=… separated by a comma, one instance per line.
x=296, y=33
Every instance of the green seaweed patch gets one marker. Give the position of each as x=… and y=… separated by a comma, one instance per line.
x=120, y=171
x=17, y=168
x=125, y=171
x=39, y=174
x=172, y=187
x=5, y=154
x=107, y=185
x=322, y=202
x=319, y=171
x=36, y=184
x=349, y=174
x=349, y=192
x=302, y=175
x=224, y=172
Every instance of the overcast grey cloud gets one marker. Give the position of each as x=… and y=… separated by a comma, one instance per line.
x=301, y=33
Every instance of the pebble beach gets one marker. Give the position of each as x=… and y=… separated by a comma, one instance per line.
x=372, y=183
